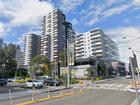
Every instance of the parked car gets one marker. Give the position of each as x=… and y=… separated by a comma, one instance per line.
x=128, y=77
x=52, y=82
x=35, y=83
x=14, y=79
x=3, y=82
x=10, y=79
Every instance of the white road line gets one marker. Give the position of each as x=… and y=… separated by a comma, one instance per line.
x=120, y=85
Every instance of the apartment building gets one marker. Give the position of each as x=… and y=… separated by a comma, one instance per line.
x=1, y=42
x=95, y=43
x=18, y=56
x=55, y=31
x=31, y=47
x=70, y=36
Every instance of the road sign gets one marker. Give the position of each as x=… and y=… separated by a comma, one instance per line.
x=137, y=69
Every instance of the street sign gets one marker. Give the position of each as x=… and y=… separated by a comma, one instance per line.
x=137, y=69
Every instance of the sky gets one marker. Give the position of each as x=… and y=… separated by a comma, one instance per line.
x=117, y=18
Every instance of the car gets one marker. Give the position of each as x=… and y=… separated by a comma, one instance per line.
x=52, y=82
x=10, y=80
x=34, y=83
x=14, y=79
x=3, y=82
x=128, y=77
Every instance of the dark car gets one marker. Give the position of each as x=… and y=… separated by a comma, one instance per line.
x=52, y=82
x=3, y=82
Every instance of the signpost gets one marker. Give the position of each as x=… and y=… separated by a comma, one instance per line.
x=138, y=71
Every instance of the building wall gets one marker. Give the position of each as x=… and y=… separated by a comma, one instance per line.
x=1, y=42
x=18, y=56
x=53, y=34
x=31, y=47
x=79, y=71
x=70, y=36
x=96, y=44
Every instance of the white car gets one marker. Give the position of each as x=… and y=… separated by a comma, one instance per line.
x=128, y=77
x=35, y=83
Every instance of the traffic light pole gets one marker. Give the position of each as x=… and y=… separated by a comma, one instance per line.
x=68, y=77
x=133, y=75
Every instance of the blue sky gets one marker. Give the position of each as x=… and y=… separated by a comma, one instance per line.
x=117, y=18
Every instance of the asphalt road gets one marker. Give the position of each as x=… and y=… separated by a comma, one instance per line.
x=95, y=97
x=98, y=96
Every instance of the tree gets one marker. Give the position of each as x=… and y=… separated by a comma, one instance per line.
x=62, y=58
x=40, y=65
x=7, y=61
x=90, y=72
x=101, y=69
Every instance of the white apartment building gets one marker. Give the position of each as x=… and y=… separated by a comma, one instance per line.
x=18, y=56
x=55, y=32
x=31, y=47
x=95, y=43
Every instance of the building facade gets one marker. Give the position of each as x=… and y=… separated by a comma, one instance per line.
x=55, y=31
x=53, y=34
x=31, y=47
x=70, y=36
x=95, y=43
x=1, y=42
x=18, y=56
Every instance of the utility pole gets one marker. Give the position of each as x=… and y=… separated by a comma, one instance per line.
x=133, y=75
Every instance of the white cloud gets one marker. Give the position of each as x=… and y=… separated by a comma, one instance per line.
x=94, y=14
x=24, y=12
x=136, y=2
x=116, y=10
x=132, y=40
x=92, y=21
x=111, y=2
x=70, y=5
x=74, y=21
x=2, y=28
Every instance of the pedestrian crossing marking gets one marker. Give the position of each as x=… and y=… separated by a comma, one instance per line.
x=120, y=87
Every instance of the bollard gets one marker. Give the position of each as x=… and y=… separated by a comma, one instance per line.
x=80, y=89
x=10, y=97
x=61, y=93
x=33, y=93
x=72, y=92
x=48, y=91
x=88, y=88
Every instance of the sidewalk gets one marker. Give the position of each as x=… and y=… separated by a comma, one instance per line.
x=5, y=96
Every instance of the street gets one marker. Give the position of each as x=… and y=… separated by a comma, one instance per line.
x=95, y=97
x=106, y=92
x=112, y=93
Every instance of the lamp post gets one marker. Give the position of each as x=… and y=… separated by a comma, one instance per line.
x=133, y=75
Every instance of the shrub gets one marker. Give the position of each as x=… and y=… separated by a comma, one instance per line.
x=98, y=78
x=26, y=79
x=74, y=81
x=20, y=81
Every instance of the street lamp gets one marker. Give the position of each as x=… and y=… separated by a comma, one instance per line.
x=133, y=75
